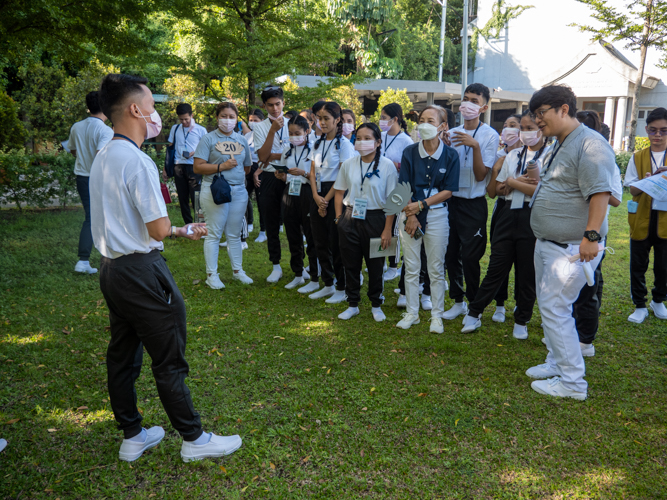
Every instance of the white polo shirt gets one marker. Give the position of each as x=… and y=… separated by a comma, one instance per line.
x=488, y=140
x=87, y=137
x=186, y=140
x=124, y=196
x=376, y=188
x=297, y=159
x=511, y=165
x=327, y=158
x=393, y=145
x=281, y=138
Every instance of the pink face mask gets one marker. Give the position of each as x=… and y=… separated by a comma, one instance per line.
x=226, y=124
x=469, y=110
x=385, y=125
x=531, y=137
x=348, y=128
x=154, y=127
x=364, y=147
x=297, y=140
x=276, y=117
x=510, y=136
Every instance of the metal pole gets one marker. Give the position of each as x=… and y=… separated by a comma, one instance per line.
x=464, y=52
x=442, y=38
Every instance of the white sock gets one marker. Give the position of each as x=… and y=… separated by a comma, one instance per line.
x=203, y=439
x=140, y=438
x=276, y=267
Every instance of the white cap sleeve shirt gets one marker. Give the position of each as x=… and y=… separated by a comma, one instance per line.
x=327, y=158
x=206, y=150
x=124, y=196
x=280, y=139
x=510, y=167
x=185, y=140
x=488, y=140
x=393, y=145
x=375, y=188
x=631, y=175
x=298, y=158
x=88, y=137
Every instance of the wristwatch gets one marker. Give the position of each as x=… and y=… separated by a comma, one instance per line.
x=172, y=235
x=592, y=236
x=336, y=220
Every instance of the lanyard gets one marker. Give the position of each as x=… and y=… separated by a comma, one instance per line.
x=468, y=148
x=662, y=163
x=386, y=148
x=127, y=139
x=525, y=159
x=326, y=150
x=551, y=160
x=361, y=170
x=297, y=161
x=281, y=137
x=185, y=141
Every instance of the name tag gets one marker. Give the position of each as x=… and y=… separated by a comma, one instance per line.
x=517, y=200
x=465, y=175
x=359, y=209
x=434, y=191
x=294, y=187
x=632, y=207
x=318, y=182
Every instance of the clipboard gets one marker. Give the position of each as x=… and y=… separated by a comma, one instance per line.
x=376, y=248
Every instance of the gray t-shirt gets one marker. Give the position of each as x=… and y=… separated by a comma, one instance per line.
x=583, y=166
x=207, y=151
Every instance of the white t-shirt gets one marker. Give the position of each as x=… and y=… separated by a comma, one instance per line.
x=87, y=137
x=261, y=131
x=488, y=140
x=250, y=139
x=376, y=188
x=124, y=196
x=510, y=166
x=186, y=140
x=393, y=145
x=297, y=159
x=631, y=175
x=328, y=158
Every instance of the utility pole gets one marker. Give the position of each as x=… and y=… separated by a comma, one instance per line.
x=464, y=52
x=442, y=37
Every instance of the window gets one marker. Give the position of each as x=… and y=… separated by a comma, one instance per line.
x=641, y=115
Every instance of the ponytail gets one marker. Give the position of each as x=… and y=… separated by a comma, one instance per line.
x=394, y=110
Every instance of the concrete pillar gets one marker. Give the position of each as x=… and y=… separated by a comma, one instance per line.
x=519, y=108
x=487, y=115
x=609, y=112
x=429, y=98
x=621, y=115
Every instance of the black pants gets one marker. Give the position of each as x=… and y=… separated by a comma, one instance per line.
x=271, y=195
x=513, y=243
x=467, y=244
x=250, y=187
x=393, y=261
x=146, y=309
x=501, y=296
x=586, y=309
x=639, y=260
x=85, y=236
x=296, y=216
x=325, y=234
x=354, y=236
x=423, y=275
x=187, y=182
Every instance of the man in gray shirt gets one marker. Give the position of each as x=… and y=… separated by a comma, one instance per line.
x=569, y=211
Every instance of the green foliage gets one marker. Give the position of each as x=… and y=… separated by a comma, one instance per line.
x=367, y=11
x=12, y=132
x=622, y=160
x=642, y=143
x=392, y=95
x=37, y=180
x=339, y=89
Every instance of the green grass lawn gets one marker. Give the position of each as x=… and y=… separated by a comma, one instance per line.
x=326, y=408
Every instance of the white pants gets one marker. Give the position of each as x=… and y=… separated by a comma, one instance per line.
x=227, y=217
x=558, y=284
x=435, y=242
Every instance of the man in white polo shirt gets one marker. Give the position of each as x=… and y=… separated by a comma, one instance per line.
x=86, y=138
x=146, y=309
x=186, y=135
x=477, y=145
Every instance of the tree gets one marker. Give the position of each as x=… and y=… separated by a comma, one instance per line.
x=339, y=89
x=12, y=133
x=392, y=95
x=642, y=24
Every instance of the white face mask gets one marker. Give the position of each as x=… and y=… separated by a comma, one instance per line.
x=364, y=147
x=297, y=140
x=510, y=136
x=348, y=128
x=470, y=110
x=276, y=117
x=385, y=125
x=226, y=124
x=531, y=137
x=154, y=127
x=427, y=131
x=251, y=125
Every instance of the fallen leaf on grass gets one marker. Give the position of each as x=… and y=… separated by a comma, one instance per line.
x=152, y=495
x=303, y=461
x=364, y=409
x=302, y=428
x=254, y=430
x=406, y=419
x=12, y=421
x=243, y=489
x=422, y=394
x=456, y=422
x=82, y=408
x=343, y=360
x=328, y=371
x=272, y=465
x=48, y=490
x=196, y=282
x=361, y=453
x=639, y=442
x=65, y=331
x=485, y=429
x=506, y=404
x=52, y=430
x=372, y=389
x=99, y=302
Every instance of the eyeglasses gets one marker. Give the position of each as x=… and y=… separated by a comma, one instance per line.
x=268, y=89
x=657, y=131
x=540, y=113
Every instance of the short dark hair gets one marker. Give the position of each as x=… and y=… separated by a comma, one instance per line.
x=479, y=89
x=451, y=118
x=226, y=105
x=258, y=113
x=554, y=96
x=590, y=118
x=272, y=91
x=317, y=106
x=93, y=102
x=183, y=109
x=291, y=113
x=656, y=114
x=115, y=90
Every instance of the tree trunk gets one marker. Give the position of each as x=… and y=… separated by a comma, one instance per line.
x=640, y=76
x=251, y=94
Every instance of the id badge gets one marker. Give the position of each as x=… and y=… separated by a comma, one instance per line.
x=517, y=201
x=537, y=190
x=318, y=181
x=632, y=207
x=434, y=191
x=294, y=187
x=359, y=209
x=464, y=177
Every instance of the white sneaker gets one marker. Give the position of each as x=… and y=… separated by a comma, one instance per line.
x=213, y=281
x=544, y=341
x=338, y=297
x=427, y=305
x=349, y=313
x=250, y=228
x=281, y=229
x=378, y=314
x=244, y=245
x=131, y=450
x=391, y=274
x=658, y=309
x=305, y=275
x=587, y=350
x=554, y=387
x=3, y=444
x=542, y=371
x=83, y=266
x=223, y=244
x=520, y=332
x=407, y=321
x=261, y=238
x=325, y=292
x=470, y=324
x=457, y=310
x=361, y=279
x=275, y=275
x=402, y=302
x=218, y=446
x=397, y=291
x=242, y=277
x=640, y=314
x=295, y=282
x=499, y=315
x=311, y=287
x=436, y=325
